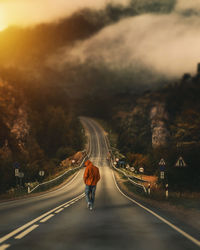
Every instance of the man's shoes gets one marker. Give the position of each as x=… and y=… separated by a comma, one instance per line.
x=89, y=205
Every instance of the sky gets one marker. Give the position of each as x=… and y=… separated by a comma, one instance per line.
x=163, y=42
x=167, y=44
x=30, y=12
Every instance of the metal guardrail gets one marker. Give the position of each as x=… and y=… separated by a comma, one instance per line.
x=58, y=180
x=119, y=170
x=128, y=177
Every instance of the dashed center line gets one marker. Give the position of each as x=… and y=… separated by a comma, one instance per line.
x=30, y=229
x=58, y=211
x=44, y=217
x=47, y=218
x=4, y=247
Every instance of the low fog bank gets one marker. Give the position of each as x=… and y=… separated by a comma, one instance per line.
x=167, y=45
x=127, y=47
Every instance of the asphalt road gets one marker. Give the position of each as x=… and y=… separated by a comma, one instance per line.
x=61, y=220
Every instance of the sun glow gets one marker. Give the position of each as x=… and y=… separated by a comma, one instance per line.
x=2, y=27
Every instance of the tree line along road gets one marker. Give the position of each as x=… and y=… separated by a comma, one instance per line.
x=61, y=220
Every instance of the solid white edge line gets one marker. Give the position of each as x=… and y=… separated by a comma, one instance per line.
x=9, y=235
x=186, y=235
x=4, y=247
x=47, y=218
x=24, y=233
x=42, y=195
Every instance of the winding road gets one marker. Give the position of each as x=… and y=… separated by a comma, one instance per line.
x=61, y=220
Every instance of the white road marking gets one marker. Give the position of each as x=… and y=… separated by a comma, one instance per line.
x=11, y=234
x=47, y=218
x=42, y=195
x=5, y=246
x=59, y=210
x=186, y=235
x=24, y=233
x=67, y=205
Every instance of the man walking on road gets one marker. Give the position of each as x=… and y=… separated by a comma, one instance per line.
x=91, y=177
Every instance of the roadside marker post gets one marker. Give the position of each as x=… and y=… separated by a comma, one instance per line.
x=141, y=170
x=29, y=188
x=149, y=189
x=166, y=191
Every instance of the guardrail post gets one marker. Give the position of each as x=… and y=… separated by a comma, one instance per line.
x=166, y=191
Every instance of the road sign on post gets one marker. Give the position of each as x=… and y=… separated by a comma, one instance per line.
x=132, y=169
x=141, y=170
x=41, y=173
x=162, y=164
x=16, y=172
x=16, y=165
x=21, y=176
x=162, y=175
x=180, y=163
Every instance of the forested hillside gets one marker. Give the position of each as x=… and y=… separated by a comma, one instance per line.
x=38, y=130
x=163, y=124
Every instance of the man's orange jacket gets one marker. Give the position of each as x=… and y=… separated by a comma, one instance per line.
x=91, y=175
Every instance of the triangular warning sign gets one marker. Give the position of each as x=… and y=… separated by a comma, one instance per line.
x=162, y=162
x=180, y=162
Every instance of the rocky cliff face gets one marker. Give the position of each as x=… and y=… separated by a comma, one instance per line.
x=20, y=128
x=13, y=121
x=159, y=119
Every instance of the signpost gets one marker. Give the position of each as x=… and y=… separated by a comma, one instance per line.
x=41, y=174
x=162, y=175
x=16, y=172
x=141, y=170
x=16, y=167
x=180, y=162
x=182, y=171
x=21, y=176
x=162, y=165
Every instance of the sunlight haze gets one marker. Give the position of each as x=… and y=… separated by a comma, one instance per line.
x=23, y=12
